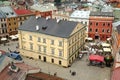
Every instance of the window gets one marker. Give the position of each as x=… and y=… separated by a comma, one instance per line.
x=2, y=25
x=60, y=43
x=31, y=46
x=8, y=19
x=96, y=24
x=39, y=48
x=90, y=23
x=10, y=29
x=52, y=50
x=30, y=37
x=60, y=62
x=90, y=30
x=20, y=23
x=60, y=52
x=39, y=39
x=108, y=31
x=44, y=40
x=9, y=24
x=103, y=36
x=52, y=42
x=96, y=30
x=44, y=49
x=102, y=30
x=14, y=23
x=52, y=60
x=5, y=25
x=39, y=57
x=108, y=24
x=103, y=24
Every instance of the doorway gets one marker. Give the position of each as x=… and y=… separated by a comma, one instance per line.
x=96, y=37
x=44, y=59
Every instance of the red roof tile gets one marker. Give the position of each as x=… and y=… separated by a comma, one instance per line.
x=23, y=12
x=116, y=74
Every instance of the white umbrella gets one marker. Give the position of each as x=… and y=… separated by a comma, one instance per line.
x=3, y=39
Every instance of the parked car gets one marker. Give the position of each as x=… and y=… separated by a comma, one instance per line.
x=15, y=56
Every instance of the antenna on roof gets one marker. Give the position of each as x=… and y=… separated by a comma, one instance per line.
x=37, y=27
x=44, y=27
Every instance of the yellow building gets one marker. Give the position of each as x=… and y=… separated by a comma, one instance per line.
x=51, y=40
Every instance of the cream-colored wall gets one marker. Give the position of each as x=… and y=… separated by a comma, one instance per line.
x=76, y=42
x=25, y=44
x=36, y=56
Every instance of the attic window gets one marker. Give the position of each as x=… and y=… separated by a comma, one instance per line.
x=44, y=27
x=12, y=13
x=7, y=13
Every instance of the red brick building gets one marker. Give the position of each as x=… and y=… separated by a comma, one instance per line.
x=100, y=25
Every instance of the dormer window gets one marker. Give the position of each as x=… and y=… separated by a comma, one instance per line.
x=12, y=13
x=44, y=27
x=7, y=13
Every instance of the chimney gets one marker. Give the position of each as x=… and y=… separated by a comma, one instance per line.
x=37, y=17
x=58, y=20
x=37, y=27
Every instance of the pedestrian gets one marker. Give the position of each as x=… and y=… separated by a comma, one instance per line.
x=9, y=50
x=70, y=71
x=55, y=73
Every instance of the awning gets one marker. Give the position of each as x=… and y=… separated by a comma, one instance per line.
x=89, y=38
x=96, y=58
x=107, y=49
x=17, y=35
x=105, y=45
x=3, y=39
x=109, y=38
x=13, y=37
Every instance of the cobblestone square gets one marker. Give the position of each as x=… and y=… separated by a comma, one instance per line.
x=83, y=72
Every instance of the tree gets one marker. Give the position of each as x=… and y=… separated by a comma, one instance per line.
x=57, y=2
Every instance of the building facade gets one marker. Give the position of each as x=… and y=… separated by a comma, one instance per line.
x=100, y=25
x=60, y=15
x=3, y=26
x=80, y=16
x=43, y=10
x=51, y=40
x=11, y=20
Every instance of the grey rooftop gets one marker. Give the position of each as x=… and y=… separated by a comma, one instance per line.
x=104, y=14
x=61, y=28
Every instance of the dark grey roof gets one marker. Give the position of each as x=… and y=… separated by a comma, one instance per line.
x=118, y=29
x=60, y=29
x=2, y=15
x=109, y=14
